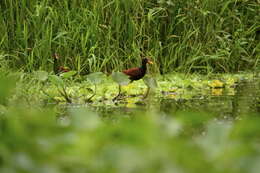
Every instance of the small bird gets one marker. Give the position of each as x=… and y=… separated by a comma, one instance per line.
x=138, y=72
x=56, y=67
x=63, y=69
x=135, y=74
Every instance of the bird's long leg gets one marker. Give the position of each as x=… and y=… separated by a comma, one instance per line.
x=119, y=93
x=95, y=92
x=147, y=92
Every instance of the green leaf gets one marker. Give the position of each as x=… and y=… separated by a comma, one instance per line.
x=56, y=80
x=120, y=78
x=150, y=82
x=96, y=78
x=41, y=75
x=68, y=74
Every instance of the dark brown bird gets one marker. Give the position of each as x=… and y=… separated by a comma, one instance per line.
x=138, y=72
x=63, y=69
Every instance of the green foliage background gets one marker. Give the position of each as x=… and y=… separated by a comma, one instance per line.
x=105, y=35
x=109, y=35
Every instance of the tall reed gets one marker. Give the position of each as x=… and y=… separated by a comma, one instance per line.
x=105, y=35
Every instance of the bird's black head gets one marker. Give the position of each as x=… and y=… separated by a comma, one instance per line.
x=146, y=60
x=55, y=56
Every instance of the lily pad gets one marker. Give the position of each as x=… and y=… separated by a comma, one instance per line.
x=96, y=78
x=150, y=82
x=41, y=75
x=216, y=84
x=56, y=80
x=68, y=74
x=120, y=78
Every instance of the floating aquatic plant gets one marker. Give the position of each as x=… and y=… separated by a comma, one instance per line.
x=60, y=84
x=95, y=78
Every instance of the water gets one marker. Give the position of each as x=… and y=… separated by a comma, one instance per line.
x=244, y=99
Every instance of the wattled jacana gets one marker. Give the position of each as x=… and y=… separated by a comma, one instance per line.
x=138, y=72
x=135, y=73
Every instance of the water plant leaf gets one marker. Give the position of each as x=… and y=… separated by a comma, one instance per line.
x=68, y=74
x=41, y=75
x=216, y=84
x=150, y=82
x=120, y=78
x=56, y=80
x=217, y=91
x=96, y=78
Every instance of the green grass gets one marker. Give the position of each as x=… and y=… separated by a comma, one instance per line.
x=186, y=36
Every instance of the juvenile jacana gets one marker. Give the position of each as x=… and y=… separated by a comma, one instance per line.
x=138, y=72
x=56, y=67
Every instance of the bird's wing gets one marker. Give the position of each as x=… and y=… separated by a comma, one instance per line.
x=132, y=71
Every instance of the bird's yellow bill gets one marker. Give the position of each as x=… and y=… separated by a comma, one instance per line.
x=150, y=62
